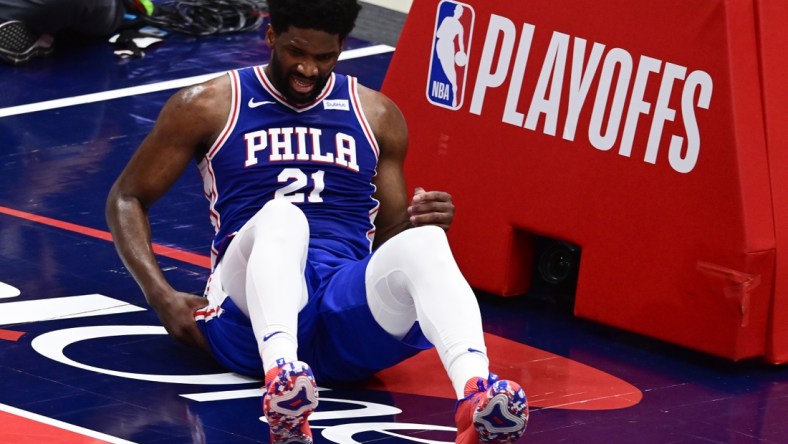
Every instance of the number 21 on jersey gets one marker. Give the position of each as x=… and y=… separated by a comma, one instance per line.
x=298, y=188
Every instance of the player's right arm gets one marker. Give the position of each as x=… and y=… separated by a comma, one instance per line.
x=189, y=122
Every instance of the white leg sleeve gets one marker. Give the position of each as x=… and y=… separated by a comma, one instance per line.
x=263, y=272
x=413, y=276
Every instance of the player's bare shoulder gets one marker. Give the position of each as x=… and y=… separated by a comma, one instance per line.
x=198, y=112
x=387, y=122
x=208, y=101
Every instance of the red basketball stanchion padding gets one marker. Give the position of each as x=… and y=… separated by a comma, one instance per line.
x=772, y=38
x=645, y=133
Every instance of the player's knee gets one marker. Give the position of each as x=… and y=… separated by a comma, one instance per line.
x=427, y=234
x=424, y=235
x=282, y=210
x=280, y=219
x=425, y=246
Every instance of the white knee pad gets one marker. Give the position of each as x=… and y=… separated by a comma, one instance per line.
x=389, y=280
x=279, y=227
x=413, y=276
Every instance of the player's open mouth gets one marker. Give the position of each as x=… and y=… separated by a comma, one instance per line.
x=301, y=85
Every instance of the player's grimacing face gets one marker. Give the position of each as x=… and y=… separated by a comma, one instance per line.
x=302, y=61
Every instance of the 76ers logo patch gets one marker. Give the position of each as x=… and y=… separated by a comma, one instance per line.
x=451, y=47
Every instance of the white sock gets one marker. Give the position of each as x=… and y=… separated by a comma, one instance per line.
x=466, y=366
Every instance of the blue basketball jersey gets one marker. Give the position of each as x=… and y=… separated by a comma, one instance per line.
x=320, y=156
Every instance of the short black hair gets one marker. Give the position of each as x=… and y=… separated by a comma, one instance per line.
x=331, y=16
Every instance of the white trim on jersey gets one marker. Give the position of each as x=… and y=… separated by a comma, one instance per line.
x=205, y=166
x=232, y=118
x=362, y=118
x=373, y=213
x=216, y=218
x=373, y=142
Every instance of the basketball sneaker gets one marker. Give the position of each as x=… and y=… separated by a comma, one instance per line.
x=18, y=43
x=492, y=411
x=290, y=397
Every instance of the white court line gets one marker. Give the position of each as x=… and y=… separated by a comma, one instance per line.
x=62, y=425
x=397, y=5
x=156, y=87
x=22, y=312
x=8, y=291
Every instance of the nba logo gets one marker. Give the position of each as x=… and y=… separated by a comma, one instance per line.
x=451, y=47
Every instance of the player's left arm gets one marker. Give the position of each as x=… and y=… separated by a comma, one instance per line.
x=398, y=210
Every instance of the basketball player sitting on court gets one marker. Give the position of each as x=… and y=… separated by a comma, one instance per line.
x=322, y=261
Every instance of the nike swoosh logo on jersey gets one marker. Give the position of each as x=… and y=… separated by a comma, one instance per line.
x=270, y=335
x=253, y=104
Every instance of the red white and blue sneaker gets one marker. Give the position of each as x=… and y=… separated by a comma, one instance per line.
x=492, y=411
x=290, y=397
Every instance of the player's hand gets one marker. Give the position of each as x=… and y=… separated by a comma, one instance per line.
x=176, y=313
x=431, y=208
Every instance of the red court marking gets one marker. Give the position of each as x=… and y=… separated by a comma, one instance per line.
x=173, y=253
x=549, y=380
x=10, y=335
x=19, y=430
